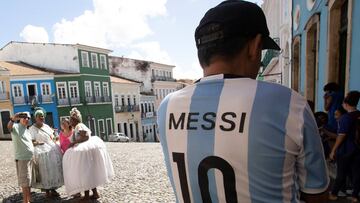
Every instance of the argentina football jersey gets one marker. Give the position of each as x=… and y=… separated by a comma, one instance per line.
x=230, y=139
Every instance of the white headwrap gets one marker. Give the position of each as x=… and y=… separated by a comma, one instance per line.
x=74, y=113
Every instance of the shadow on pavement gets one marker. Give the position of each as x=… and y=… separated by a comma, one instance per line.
x=40, y=198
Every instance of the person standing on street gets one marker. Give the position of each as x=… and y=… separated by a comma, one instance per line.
x=345, y=150
x=24, y=151
x=230, y=138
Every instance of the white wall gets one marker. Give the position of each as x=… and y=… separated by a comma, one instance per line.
x=51, y=56
x=127, y=68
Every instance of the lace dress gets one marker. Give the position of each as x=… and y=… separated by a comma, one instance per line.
x=86, y=165
x=47, y=158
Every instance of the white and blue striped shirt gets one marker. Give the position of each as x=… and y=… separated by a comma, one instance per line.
x=240, y=140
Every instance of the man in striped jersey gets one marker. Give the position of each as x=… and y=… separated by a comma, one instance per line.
x=230, y=138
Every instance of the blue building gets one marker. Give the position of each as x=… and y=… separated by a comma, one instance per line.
x=326, y=46
x=31, y=87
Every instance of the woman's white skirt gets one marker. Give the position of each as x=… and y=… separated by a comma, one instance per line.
x=47, y=169
x=86, y=166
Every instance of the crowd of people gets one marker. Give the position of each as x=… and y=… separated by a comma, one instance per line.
x=340, y=138
x=47, y=161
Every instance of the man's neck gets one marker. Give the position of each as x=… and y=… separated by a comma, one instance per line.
x=233, y=68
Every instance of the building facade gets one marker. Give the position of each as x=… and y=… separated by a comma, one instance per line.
x=126, y=100
x=81, y=79
x=326, y=46
x=6, y=107
x=32, y=87
x=276, y=64
x=156, y=81
x=148, y=118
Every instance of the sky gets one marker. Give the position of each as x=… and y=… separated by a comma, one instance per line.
x=156, y=30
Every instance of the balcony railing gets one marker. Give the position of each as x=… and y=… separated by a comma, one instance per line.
x=119, y=109
x=63, y=102
x=127, y=108
x=4, y=96
x=90, y=99
x=75, y=100
x=45, y=98
x=18, y=100
x=162, y=78
x=98, y=99
x=106, y=99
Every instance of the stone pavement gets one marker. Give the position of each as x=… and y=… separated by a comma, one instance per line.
x=139, y=169
x=140, y=176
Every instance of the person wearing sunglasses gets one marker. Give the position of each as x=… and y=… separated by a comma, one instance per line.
x=23, y=149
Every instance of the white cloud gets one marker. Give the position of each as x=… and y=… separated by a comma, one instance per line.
x=112, y=23
x=32, y=33
x=193, y=72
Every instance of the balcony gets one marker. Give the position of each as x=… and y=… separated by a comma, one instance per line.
x=75, y=100
x=98, y=99
x=90, y=99
x=119, y=109
x=45, y=99
x=127, y=108
x=63, y=102
x=106, y=99
x=4, y=96
x=18, y=100
x=162, y=78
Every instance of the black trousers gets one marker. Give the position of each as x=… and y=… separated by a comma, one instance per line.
x=346, y=165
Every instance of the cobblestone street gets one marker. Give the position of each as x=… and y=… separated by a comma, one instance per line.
x=139, y=169
x=140, y=176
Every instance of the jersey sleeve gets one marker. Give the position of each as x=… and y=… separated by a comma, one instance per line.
x=311, y=165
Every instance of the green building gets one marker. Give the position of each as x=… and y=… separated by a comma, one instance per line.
x=81, y=79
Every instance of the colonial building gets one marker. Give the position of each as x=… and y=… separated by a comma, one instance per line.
x=6, y=107
x=126, y=99
x=276, y=64
x=156, y=82
x=148, y=118
x=31, y=87
x=81, y=79
x=326, y=46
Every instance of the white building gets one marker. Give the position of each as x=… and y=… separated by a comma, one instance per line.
x=276, y=63
x=156, y=82
x=126, y=98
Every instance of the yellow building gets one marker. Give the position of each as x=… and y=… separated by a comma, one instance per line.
x=6, y=107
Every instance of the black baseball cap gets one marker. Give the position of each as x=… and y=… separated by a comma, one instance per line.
x=231, y=19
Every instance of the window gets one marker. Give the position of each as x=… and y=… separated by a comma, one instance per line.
x=116, y=100
x=74, y=89
x=103, y=62
x=94, y=60
x=128, y=100
x=85, y=59
x=106, y=89
x=88, y=90
x=97, y=89
x=122, y=100
x=61, y=90
x=17, y=90
x=2, y=87
x=134, y=99
x=45, y=89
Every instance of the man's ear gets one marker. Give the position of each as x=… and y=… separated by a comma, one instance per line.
x=255, y=47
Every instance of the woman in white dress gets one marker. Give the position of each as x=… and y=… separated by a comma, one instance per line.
x=47, y=156
x=86, y=163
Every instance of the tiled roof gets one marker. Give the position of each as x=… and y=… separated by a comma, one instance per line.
x=117, y=79
x=21, y=69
